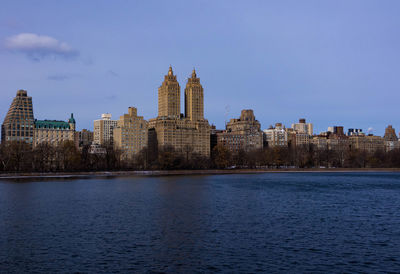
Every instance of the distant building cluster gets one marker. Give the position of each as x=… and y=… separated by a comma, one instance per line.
x=20, y=125
x=188, y=133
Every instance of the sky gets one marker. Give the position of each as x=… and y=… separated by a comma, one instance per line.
x=331, y=62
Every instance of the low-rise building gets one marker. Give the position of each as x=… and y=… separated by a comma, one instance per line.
x=53, y=132
x=97, y=149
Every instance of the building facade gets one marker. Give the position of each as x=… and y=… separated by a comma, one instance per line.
x=302, y=139
x=130, y=134
x=104, y=130
x=336, y=130
x=18, y=124
x=303, y=127
x=276, y=136
x=354, y=131
x=185, y=133
x=83, y=138
x=369, y=143
x=169, y=97
x=54, y=132
x=242, y=134
x=390, y=134
x=320, y=142
x=194, y=99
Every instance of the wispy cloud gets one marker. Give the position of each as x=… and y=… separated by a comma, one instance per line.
x=11, y=23
x=112, y=73
x=37, y=47
x=111, y=97
x=62, y=76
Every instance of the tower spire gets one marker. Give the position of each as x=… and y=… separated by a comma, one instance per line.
x=194, y=73
x=170, y=72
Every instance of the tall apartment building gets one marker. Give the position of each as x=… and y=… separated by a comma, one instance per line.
x=185, y=133
x=130, y=134
x=54, y=132
x=103, y=130
x=390, y=139
x=242, y=134
x=300, y=133
x=303, y=127
x=276, y=136
x=19, y=122
x=83, y=138
x=390, y=134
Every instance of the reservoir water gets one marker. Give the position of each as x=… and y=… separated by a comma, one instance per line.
x=273, y=222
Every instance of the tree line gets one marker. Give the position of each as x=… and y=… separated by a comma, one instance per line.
x=66, y=157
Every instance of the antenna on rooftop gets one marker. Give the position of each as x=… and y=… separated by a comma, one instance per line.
x=227, y=109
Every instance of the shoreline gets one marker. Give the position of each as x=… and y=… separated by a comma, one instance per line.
x=95, y=174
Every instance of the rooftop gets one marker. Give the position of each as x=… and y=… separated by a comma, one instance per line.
x=51, y=124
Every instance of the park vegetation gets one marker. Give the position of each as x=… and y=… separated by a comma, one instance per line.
x=16, y=157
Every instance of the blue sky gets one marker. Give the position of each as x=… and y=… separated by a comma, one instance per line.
x=331, y=62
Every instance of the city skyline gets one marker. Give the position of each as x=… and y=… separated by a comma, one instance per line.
x=324, y=128
x=333, y=63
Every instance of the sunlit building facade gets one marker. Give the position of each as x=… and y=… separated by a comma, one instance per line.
x=104, y=130
x=18, y=124
x=189, y=133
x=54, y=132
x=130, y=134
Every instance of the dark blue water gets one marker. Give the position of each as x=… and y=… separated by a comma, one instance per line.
x=287, y=222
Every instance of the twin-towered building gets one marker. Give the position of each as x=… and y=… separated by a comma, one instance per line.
x=171, y=129
x=188, y=132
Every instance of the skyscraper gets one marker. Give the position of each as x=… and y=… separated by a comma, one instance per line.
x=169, y=97
x=19, y=122
x=194, y=106
x=185, y=133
